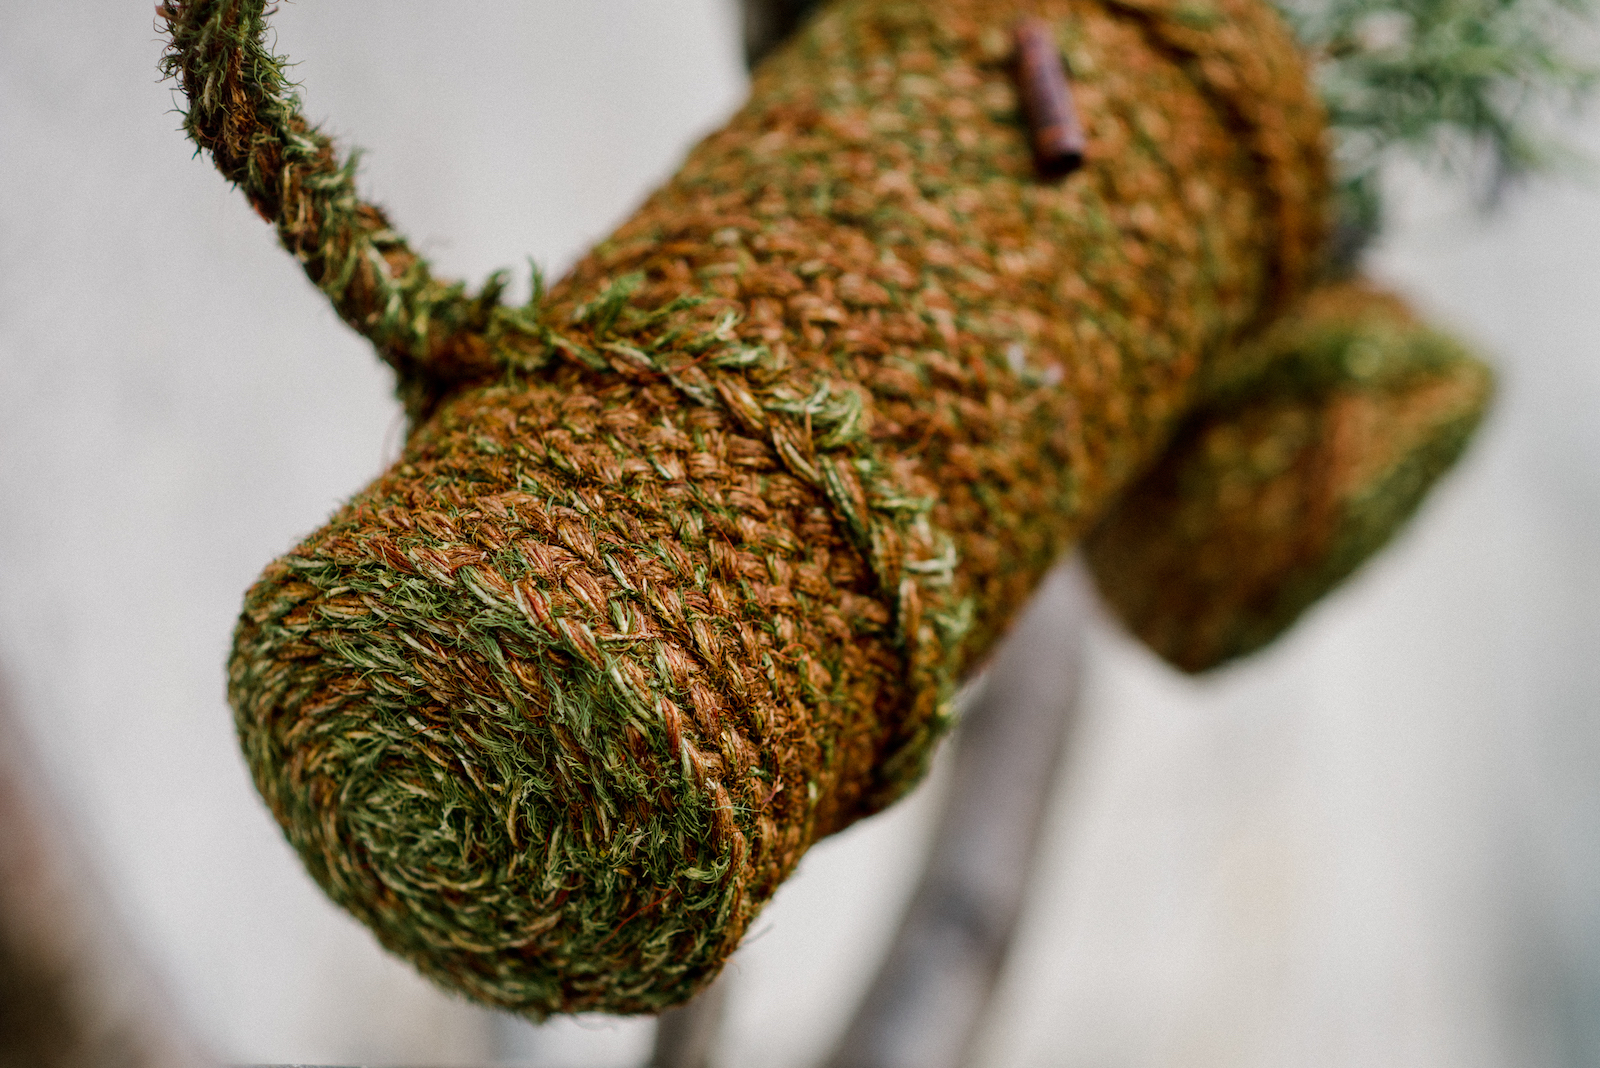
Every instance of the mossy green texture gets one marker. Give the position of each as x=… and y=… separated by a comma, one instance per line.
x=684, y=558
x=1306, y=458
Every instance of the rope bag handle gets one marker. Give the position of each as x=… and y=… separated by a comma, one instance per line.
x=245, y=113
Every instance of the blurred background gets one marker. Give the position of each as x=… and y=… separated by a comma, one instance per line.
x=1378, y=843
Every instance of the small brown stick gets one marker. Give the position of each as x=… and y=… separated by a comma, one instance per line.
x=1053, y=127
x=924, y=1007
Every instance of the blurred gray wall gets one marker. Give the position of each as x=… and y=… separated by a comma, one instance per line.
x=1376, y=844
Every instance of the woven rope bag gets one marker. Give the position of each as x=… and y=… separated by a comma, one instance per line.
x=684, y=559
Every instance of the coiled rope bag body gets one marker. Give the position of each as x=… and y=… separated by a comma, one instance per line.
x=683, y=559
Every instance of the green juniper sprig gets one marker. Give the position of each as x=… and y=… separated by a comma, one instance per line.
x=1436, y=79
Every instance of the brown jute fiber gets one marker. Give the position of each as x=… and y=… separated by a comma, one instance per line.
x=684, y=559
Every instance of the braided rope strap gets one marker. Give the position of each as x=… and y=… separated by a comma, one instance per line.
x=681, y=563
x=245, y=113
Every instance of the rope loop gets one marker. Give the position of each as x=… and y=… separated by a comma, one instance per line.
x=245, y=113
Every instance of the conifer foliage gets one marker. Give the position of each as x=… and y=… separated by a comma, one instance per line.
x=1447, y=82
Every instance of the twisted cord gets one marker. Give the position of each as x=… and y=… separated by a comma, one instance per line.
x=245, y=113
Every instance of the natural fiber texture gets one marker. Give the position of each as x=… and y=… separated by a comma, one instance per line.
x=244, y=113
x=1303, y=462
x=683, y=560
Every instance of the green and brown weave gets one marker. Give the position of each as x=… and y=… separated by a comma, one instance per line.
x=684, y=559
